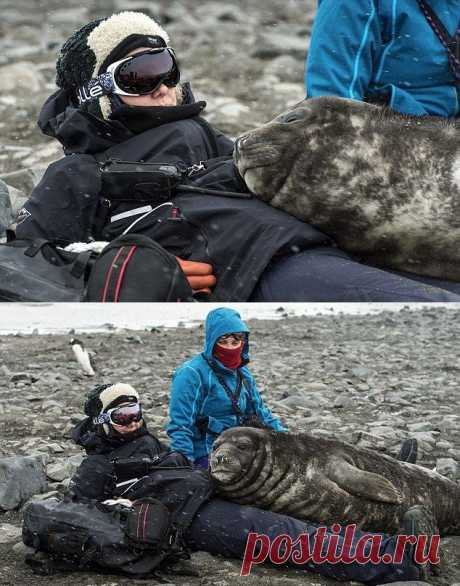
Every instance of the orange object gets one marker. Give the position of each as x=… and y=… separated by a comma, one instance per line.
x=199, y=274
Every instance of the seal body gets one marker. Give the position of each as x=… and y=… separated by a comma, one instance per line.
x=384, y=185
x=328, y=481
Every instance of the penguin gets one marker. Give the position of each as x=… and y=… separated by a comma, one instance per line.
x=82, y=356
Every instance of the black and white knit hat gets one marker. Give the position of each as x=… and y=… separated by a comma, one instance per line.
x=91, y=49
x=107, y=396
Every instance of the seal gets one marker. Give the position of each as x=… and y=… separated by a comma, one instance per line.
x=384, y=186
x=328, y=481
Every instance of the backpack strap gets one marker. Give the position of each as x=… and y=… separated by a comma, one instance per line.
x=80, y=264
x=116, y=273
x=202, y=423
x=35, y=247
x=248, y=387
x=234, y=396
x=451, y=44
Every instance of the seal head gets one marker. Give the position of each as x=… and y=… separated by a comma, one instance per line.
x=234, y=453
x=384, y=186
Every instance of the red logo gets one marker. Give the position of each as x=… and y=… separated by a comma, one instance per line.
x=323, y=547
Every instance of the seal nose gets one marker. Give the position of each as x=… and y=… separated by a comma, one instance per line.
x=240, y=142
x=236, y=150
x=221, y=459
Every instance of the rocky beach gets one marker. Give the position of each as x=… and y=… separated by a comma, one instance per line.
x=371, y=380
x=246, y=59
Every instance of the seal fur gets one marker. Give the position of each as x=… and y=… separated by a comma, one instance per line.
x=385, y=186
x=328, y=481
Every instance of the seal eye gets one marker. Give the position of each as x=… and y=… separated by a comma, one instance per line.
x=243, y=444
x=291, y=117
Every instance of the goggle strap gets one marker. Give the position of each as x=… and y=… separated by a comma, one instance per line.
x=101, y=418
x=102, y=85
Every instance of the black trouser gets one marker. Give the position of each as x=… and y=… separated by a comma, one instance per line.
x=222, y=527
x=329, y=274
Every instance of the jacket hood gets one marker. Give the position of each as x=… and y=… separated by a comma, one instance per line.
x=81, y=132
x=220, y=322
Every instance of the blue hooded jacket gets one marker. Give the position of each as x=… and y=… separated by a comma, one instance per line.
x=196, y=392
x=383, y=48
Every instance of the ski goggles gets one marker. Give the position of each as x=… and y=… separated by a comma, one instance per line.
x=123, y=415
x=138, y=75
x=236, y=338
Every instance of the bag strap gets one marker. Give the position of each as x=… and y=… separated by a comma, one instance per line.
x=34, y=248
x=116, y=274
x=249, y=390
x=451, y=44
x=233, y=396
x=80, y=264
x=242, y=381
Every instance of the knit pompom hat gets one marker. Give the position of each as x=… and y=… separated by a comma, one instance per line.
x=104, y=397
x=91, y=49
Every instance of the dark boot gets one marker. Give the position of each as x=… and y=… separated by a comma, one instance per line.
x=408, y=451
x=419, y=520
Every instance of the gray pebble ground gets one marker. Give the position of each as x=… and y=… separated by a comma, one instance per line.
x=370, y=380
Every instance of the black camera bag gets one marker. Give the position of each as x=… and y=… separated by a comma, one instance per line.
x=37, y=270
x=134, y=267
x=77, y=535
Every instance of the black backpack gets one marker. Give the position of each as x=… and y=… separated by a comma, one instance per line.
x=71, y=535
x=131, y=268
x=39, y=271
x=135, y=268
x=78, y=535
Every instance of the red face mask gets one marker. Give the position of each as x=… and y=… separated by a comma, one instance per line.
x=230, y=357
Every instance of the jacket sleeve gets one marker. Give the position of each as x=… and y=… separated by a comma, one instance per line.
x=342, y=53
x=94, y=479
x=183, y=410
x=63, y=205
x=262, y=410
x=225, y=145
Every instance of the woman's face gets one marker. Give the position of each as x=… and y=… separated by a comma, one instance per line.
x=163, y=96
x=127, y=429
x=231, y=340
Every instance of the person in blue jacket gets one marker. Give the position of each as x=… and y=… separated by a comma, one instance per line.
x=385, y=51
x=215, y=390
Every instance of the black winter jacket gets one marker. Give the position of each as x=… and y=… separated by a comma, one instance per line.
x=239, y=237
x=114, y=461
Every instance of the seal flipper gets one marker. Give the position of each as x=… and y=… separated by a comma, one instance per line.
x=360, y=483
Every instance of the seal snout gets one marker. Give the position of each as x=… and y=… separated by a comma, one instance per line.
x=238, y=149
x=221, y=459
x=224, y=467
